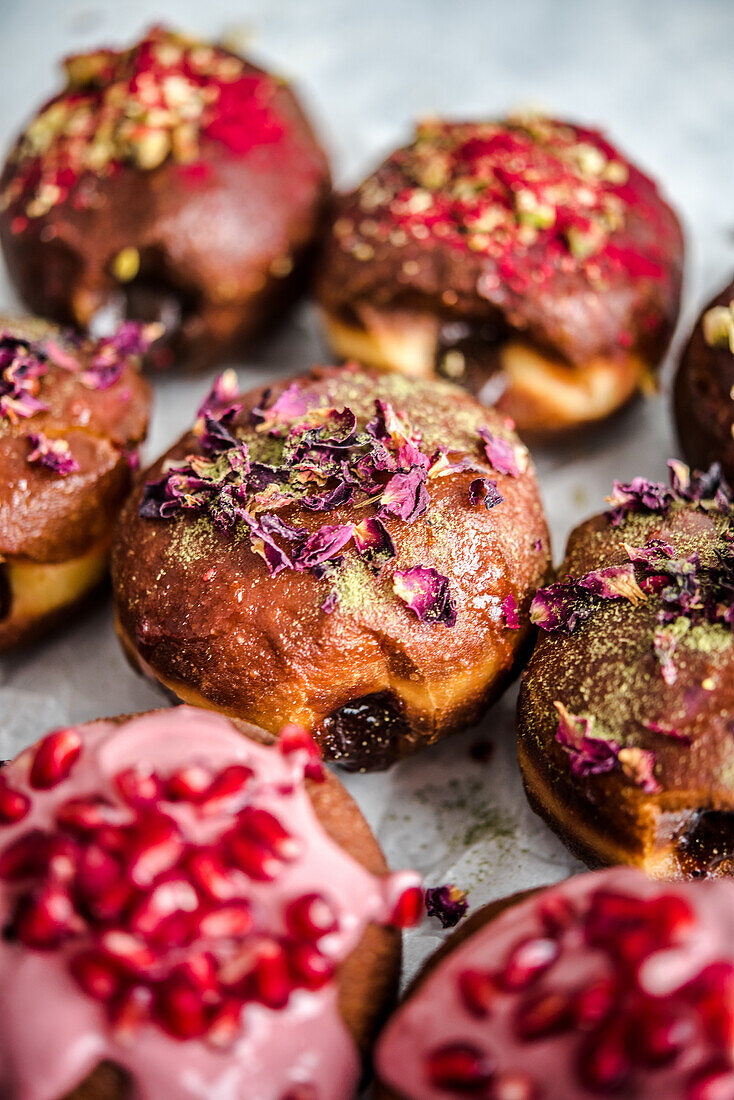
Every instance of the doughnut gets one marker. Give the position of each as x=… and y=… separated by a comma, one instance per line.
x=526, y=259
x=72, y=413
x=352, y=551
x=626, y=708
x=704, y=387
x=205, y=923
x=172, y=181
x=606, y=984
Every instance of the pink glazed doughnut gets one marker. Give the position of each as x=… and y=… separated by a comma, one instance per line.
x=607, y=985
x=188, y=913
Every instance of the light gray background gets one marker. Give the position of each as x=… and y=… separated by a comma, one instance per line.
x=658, y=75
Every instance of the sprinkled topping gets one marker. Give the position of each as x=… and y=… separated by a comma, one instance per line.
x=593, y=753
x=510, y=612
x=53, y=453
x=160, y=99
x=530, y=195
x=21, y=368
x=321, y=459
x=504, y=456
x=718, y=327
x=447, y=903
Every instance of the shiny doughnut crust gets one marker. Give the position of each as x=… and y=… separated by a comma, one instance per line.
x=557, y=335
x=199, y=611
x=559, y=1061
x=368, y=977
x=223, y=240
x=55, y=532
x=704, y=405
x=607, y=670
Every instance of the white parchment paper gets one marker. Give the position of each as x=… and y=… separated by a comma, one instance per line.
x=658, y=75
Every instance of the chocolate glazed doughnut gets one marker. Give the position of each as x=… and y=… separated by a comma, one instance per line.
x=704, y=387
x=165, y=920
x=72, y=414
x=626, y=708
x=526, y=259
x=353, y=551
x=171, y=181
x=606, y=984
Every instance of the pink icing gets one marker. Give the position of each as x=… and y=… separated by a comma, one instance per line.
x=52, y=1033
x=670, y=980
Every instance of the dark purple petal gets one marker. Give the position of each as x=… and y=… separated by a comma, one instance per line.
x=291, y=404
x=448, y=903
x=388, y=426
x=112, y=353
x=509, y=610
x=484, y=491
x=639, y=495
x=615, y=582
x=589, y=754
x=427, y=593
x=653, y=552
x=21, y=368
x=217, y=436
x=373, y=542
x=220, y=403
x=55, y=454
x=323, y=545
x=406, y=495
x=330, y=603
x=561, y=606
x=504, y=456
x=337, y=497
x=264, y=544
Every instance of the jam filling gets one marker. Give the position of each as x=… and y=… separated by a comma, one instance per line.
x=364, y=732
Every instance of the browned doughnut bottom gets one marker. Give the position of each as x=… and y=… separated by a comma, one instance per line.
x=541, y=392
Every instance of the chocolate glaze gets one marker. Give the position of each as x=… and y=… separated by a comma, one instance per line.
x=467, y=352
x=704, y=408
x=706, y=846
x=364, y=733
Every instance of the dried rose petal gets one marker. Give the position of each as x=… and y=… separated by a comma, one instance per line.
x=510, y=612
x=590, y=755
x=638, y=765
x=427, y=593
x=614, y=582
x=55, y=454
x=504, y=456
x=373, y=542
x=562, y=606
x=406, y=495
x=220, y=402
x=448, y=903
x=484, y=491
x=292, y=403
x=323, y=545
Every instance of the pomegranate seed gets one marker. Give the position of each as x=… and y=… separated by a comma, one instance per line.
x=179, y=1010
x=45, y=918
x=310, y=917
x=97, y=974
x=85, y=815
x=264, y=828
x=659, y=1033
x=139, y=788
x=673, y=917
x=156, y=847
x=130, y=1011
x=256, y=861
x=301, y=1092
x=226, y=1024
x=294, y=738
x=200, y=971
x=227, y=922
x=613, y=916
x=593, y=1004
x=170, y=895
x=54, y=758
x=478, y=991
x=542, y=1015
x=225, y=789
x=101, y=887
x=188, y=784
x=271, y=980
x=556, y=913
x=309, y=967
x=459, y=1066
x=26, y=857
x=713, y=1083
x=130, y=951
x=409, y=908
x=211, y=874
x=527, y=961
x=14, y=805
x=512, y=1086
x=604, y=1062
x=712, y=993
